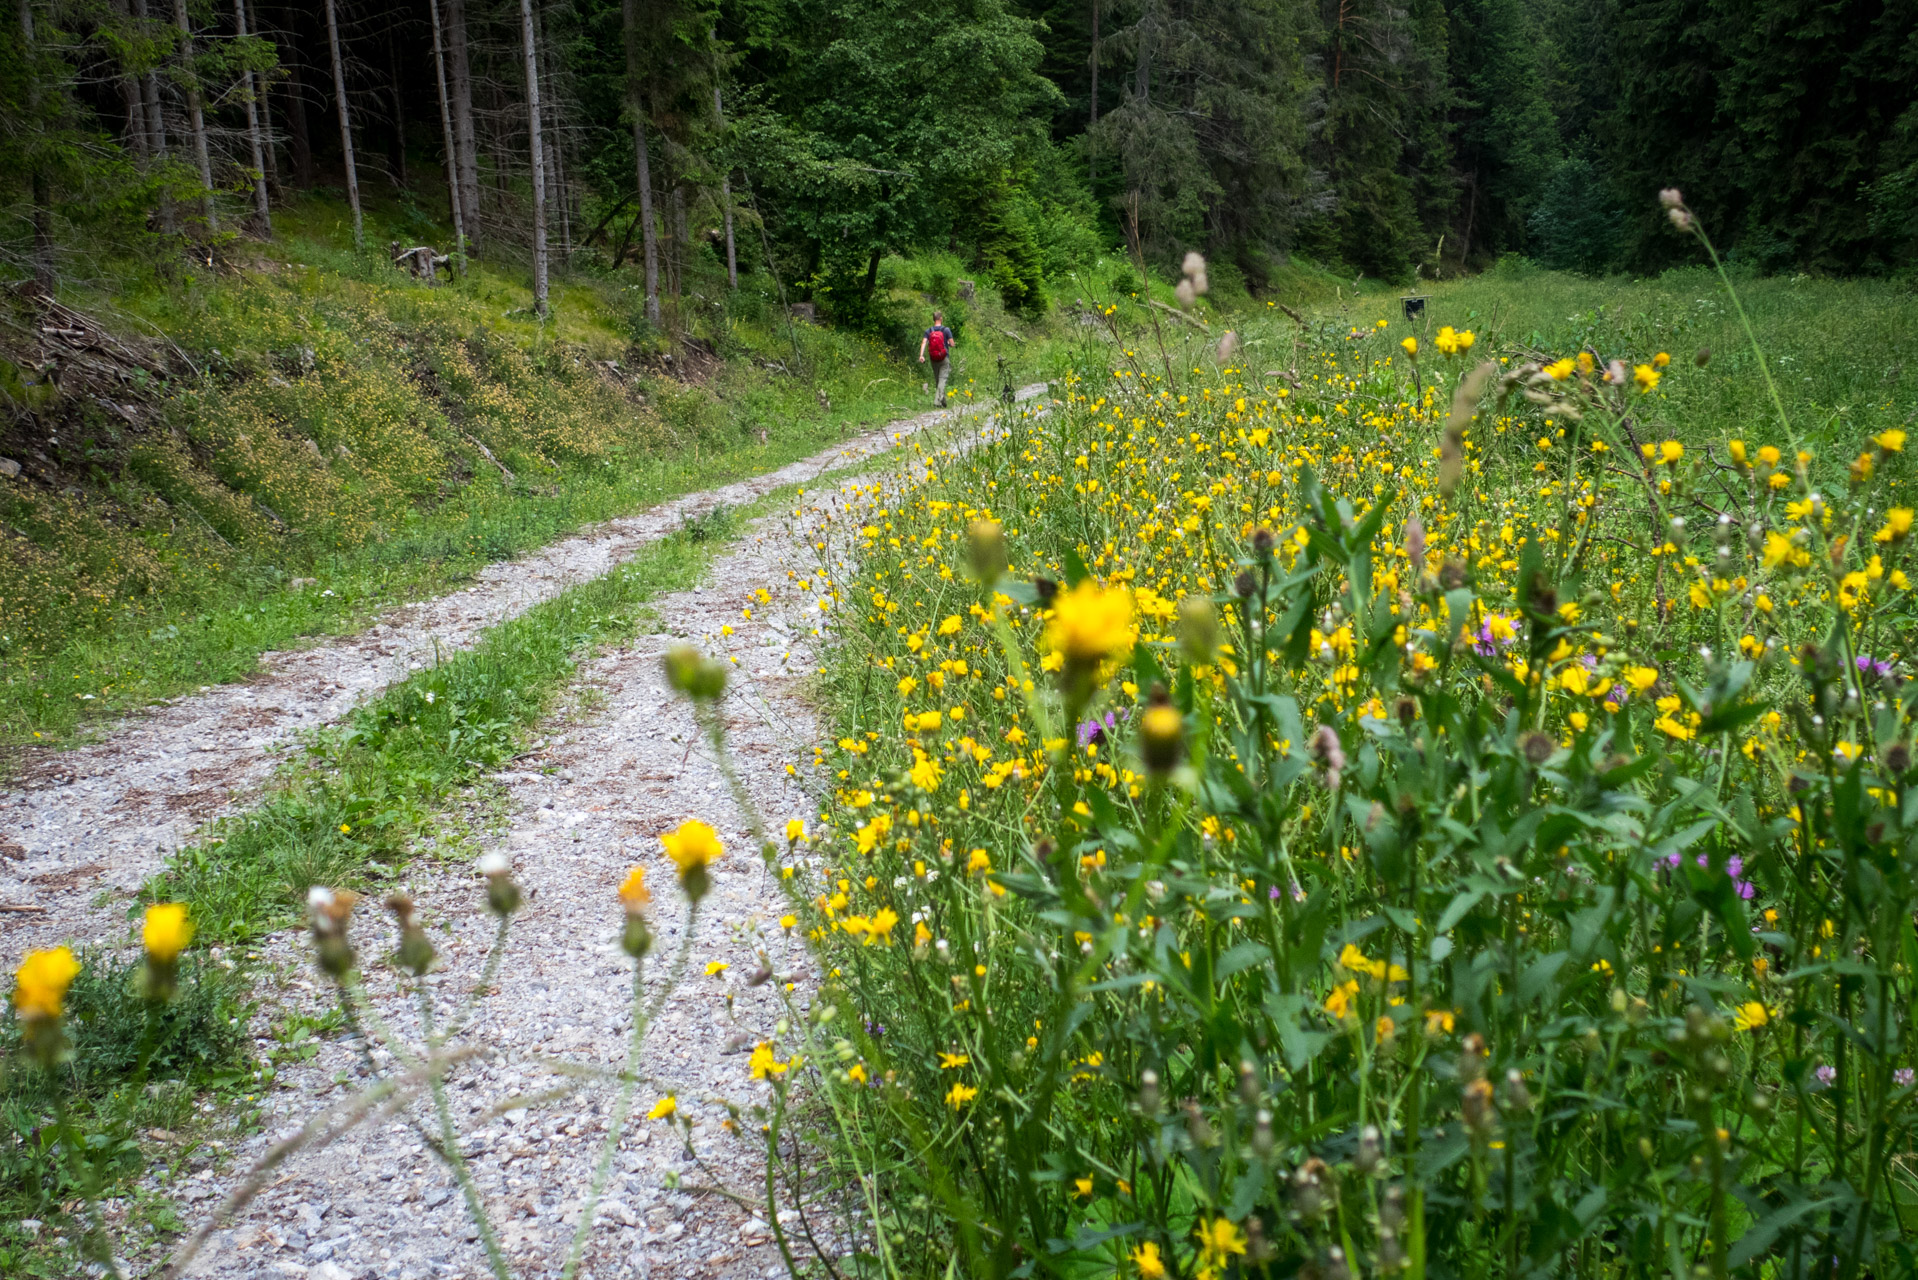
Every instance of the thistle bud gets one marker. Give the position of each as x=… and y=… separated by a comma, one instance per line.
x=415, y=952
x=1243, y=585
x=1368, y=1156
x=636, y=939
x=1262, y=1143
x=1198, y=1130
x=1198, y=629
x=1149, y=1092
x=694, y=674
x=328, y=911
x=1312, y=1195
x=1475, y=1104
x=502, y=895
x=1161, y=734
x=1248, y=1083
x=1392, y=1209
x=1515, y=1091
x=986, y=549
x=1330, y=753
x=1415, y=542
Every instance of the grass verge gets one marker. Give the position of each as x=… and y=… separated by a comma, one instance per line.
x=348, y=811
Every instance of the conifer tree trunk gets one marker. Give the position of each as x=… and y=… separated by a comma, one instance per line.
x=150, y=95
x=346, y=121
x=446, y=128
x=196, y=116
x=555, y=151
x=538, y=158
x=636, y=103
x=1092, y=155
x=679, y=243
x=261, y=211
x=299, y=140
x=131, y=101
x=268, y=142
x=466, y=144
x=726, y=201
x=648, y=233
x=42, y=193
x=396, y=153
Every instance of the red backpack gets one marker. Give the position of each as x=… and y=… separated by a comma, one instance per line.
x=936, y=343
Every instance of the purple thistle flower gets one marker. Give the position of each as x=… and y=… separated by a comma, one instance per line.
x=1825, y=1076
x=1098, y=730
x=1872, y=667
x=1902, y=1077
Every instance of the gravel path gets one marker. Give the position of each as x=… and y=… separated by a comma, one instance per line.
x=104, y=817
x=584, y=808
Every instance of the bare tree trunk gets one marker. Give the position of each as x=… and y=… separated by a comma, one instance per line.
x=555, y=149
x=130, y=100
x=196, y=117
x=679, y=243
x=270, y=143
x=636, y=103
x=726, y=202
x=299, y=139
x=150, y=92
x=446, y=128
x=465, y=143
x=538, y=157
x=346, y=122
x=648, y=232
x=260, y=209
x=396, y=153
x=43, y=271
x=1092, y=156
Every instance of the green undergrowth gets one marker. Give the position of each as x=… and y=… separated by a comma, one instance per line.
x=133, y=1087
x=349, y=809
x=321, y=449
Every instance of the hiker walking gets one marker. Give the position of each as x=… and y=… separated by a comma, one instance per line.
x=937, y=344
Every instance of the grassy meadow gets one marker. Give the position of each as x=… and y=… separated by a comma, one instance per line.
x=1386, y=800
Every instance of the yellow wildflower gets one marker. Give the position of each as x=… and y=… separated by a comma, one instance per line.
x=664, y=1108
x=1091, y=623
x=1148, y=1263
x=42, y=981
x=1218, y=1241
x=167, y=931
x=693, y=846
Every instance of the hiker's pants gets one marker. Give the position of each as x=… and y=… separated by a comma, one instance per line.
x=940, y=369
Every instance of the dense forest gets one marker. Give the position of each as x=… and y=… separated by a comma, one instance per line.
x=1392, y=138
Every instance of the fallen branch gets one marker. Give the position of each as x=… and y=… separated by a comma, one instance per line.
x=1174, y=312
x=510, y=478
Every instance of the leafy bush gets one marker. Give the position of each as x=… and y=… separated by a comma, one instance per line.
x=1364, y=838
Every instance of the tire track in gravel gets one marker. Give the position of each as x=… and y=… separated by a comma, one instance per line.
x=106, y=816
x=587, y=806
